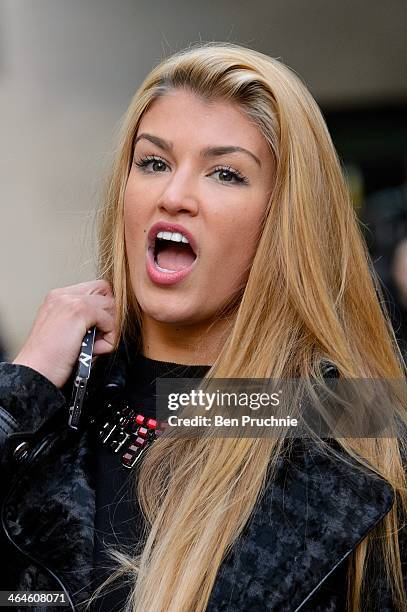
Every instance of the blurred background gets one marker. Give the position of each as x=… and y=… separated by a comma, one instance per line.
x=68, y=69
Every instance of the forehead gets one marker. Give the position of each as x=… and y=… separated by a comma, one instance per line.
x=185, y=118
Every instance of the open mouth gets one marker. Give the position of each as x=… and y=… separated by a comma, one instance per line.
x=172, y=252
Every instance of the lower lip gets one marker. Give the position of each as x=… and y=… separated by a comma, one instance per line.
x=164, y=278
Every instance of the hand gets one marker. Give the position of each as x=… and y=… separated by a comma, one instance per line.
x=54, y=343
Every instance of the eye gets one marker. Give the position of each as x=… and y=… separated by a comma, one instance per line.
x=151, y=163
x=229, y=175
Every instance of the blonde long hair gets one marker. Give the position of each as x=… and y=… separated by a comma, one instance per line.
x=310, y=294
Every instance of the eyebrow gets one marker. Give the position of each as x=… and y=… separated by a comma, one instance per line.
x=207, y=152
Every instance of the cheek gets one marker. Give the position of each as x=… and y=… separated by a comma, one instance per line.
x=134, y=199
x=134, y=220
x=237, y=242
x=129, y=225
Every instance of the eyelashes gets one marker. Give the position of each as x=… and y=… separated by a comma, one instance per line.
x=144, y=162
x=153, y=164
x=228, y=170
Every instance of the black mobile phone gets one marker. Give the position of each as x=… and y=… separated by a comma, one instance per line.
x=81, y=378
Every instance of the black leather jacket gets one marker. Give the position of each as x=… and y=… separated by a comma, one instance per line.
x=291, y=556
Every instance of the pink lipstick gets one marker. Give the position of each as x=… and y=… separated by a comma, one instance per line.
x=172, y=238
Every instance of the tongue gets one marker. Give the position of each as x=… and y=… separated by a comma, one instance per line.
x=175, y=257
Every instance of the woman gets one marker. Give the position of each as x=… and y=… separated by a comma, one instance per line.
x=228, y=241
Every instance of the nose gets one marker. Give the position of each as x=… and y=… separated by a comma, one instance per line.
x=179, y=195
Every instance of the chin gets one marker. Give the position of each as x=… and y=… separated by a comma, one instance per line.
x=178, y=312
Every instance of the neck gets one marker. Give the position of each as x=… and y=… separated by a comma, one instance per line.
x=198, y=344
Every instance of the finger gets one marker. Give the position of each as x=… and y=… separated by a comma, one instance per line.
x=75, y=307
x=109, y=336
x=98, y=286
x=104, y=321
x=99, y=301
x=102, y=347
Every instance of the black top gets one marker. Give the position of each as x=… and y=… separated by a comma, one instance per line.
x=118, y=520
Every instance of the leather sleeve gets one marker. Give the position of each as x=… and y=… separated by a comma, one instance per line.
x=27, y=401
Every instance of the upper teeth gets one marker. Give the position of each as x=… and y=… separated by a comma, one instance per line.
x=175, y=236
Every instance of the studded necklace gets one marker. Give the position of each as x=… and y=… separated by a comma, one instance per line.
x=125, y=431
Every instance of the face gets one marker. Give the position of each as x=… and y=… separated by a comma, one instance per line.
x=201, y=179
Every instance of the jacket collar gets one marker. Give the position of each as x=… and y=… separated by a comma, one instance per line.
x=309, y=520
